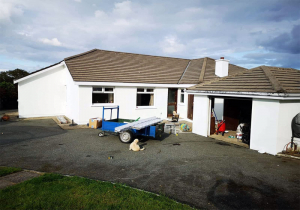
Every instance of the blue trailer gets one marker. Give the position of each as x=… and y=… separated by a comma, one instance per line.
x=128, y=129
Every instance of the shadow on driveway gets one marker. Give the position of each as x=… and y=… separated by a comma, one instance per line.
x=15, y=132
x=202, y=172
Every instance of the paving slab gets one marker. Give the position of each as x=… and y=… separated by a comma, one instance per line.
x=16, y=178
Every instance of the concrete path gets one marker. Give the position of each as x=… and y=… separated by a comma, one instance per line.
x=199, y=171
x=16, y=178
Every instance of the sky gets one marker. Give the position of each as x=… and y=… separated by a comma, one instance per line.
x=35, y=33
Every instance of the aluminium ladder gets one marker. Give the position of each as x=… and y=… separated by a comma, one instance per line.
x=138, y=125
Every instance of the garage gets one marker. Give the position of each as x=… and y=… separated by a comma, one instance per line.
x=231, y=113
x=267, y=98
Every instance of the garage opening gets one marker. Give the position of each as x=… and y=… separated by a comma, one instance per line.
x=235, y=114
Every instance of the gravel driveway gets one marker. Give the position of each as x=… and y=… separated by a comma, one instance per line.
x=199, y=171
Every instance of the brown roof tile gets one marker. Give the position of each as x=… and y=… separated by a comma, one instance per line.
x=192, y=75
x=109, y=66
x=260, y=79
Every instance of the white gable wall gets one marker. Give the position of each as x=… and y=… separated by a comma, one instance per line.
x=43, y=94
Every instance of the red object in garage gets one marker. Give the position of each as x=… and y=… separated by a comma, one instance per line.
x=221, y=127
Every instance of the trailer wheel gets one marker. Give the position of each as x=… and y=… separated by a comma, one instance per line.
x=101, y=134
x=126, y=137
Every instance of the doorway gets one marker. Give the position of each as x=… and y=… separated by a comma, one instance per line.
x=190, y=106
x=172, y=101
x=237, y=111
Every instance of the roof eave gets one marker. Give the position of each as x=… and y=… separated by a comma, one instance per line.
x=40, y=72
x=280, y=96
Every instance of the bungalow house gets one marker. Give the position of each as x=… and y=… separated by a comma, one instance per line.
x=142, y=85
x=266, y=97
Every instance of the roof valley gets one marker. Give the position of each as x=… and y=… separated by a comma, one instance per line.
x=184, y=71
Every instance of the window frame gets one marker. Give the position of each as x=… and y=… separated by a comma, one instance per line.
x=145, y=92
x=181, y=93
x=101, y=92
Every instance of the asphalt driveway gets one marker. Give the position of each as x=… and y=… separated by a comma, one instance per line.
x=202, y=172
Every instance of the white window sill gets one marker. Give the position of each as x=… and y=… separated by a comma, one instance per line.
x=181, y=104
x=145, y=107
x=99, y=105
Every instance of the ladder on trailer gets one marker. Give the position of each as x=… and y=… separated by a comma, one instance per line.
x=138, y=125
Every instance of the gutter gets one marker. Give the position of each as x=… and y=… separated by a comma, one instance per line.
x=278, y=96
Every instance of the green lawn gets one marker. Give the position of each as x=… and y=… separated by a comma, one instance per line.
x=8, y=170
x=53, y=191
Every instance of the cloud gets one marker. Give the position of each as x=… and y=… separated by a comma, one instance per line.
x=53, y=41
x=100, y=14
x=123, y=8
x=8, y=10
x=270, y=59
x=171, y=44
x=36, y=33
x=77, y=0
x=285, y=42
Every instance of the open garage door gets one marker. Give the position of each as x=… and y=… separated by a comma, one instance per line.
x=237, y=111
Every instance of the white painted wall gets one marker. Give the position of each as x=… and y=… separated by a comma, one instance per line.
x=264, y=125
x=125, y=97
x=72, y=95
x=271, y=124
x=201, y=115
x=182, y=107
x=43, y=94
x=288, y=110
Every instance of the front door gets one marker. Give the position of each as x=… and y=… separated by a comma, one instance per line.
x=172, y=101
x=190, y=106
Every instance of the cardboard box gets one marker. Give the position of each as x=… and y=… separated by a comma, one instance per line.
x=95, y=123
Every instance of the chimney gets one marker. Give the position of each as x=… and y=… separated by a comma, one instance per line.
x=221, y=69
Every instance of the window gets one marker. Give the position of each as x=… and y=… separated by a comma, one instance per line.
x=145, y=97
x=182, y=96
x=102, y=95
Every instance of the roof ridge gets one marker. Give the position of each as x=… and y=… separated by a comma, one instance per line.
x=222, y=78
x=202, y=73
x=273, y=80
x=78, y=55
x=277, y=68
x=90, y=51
